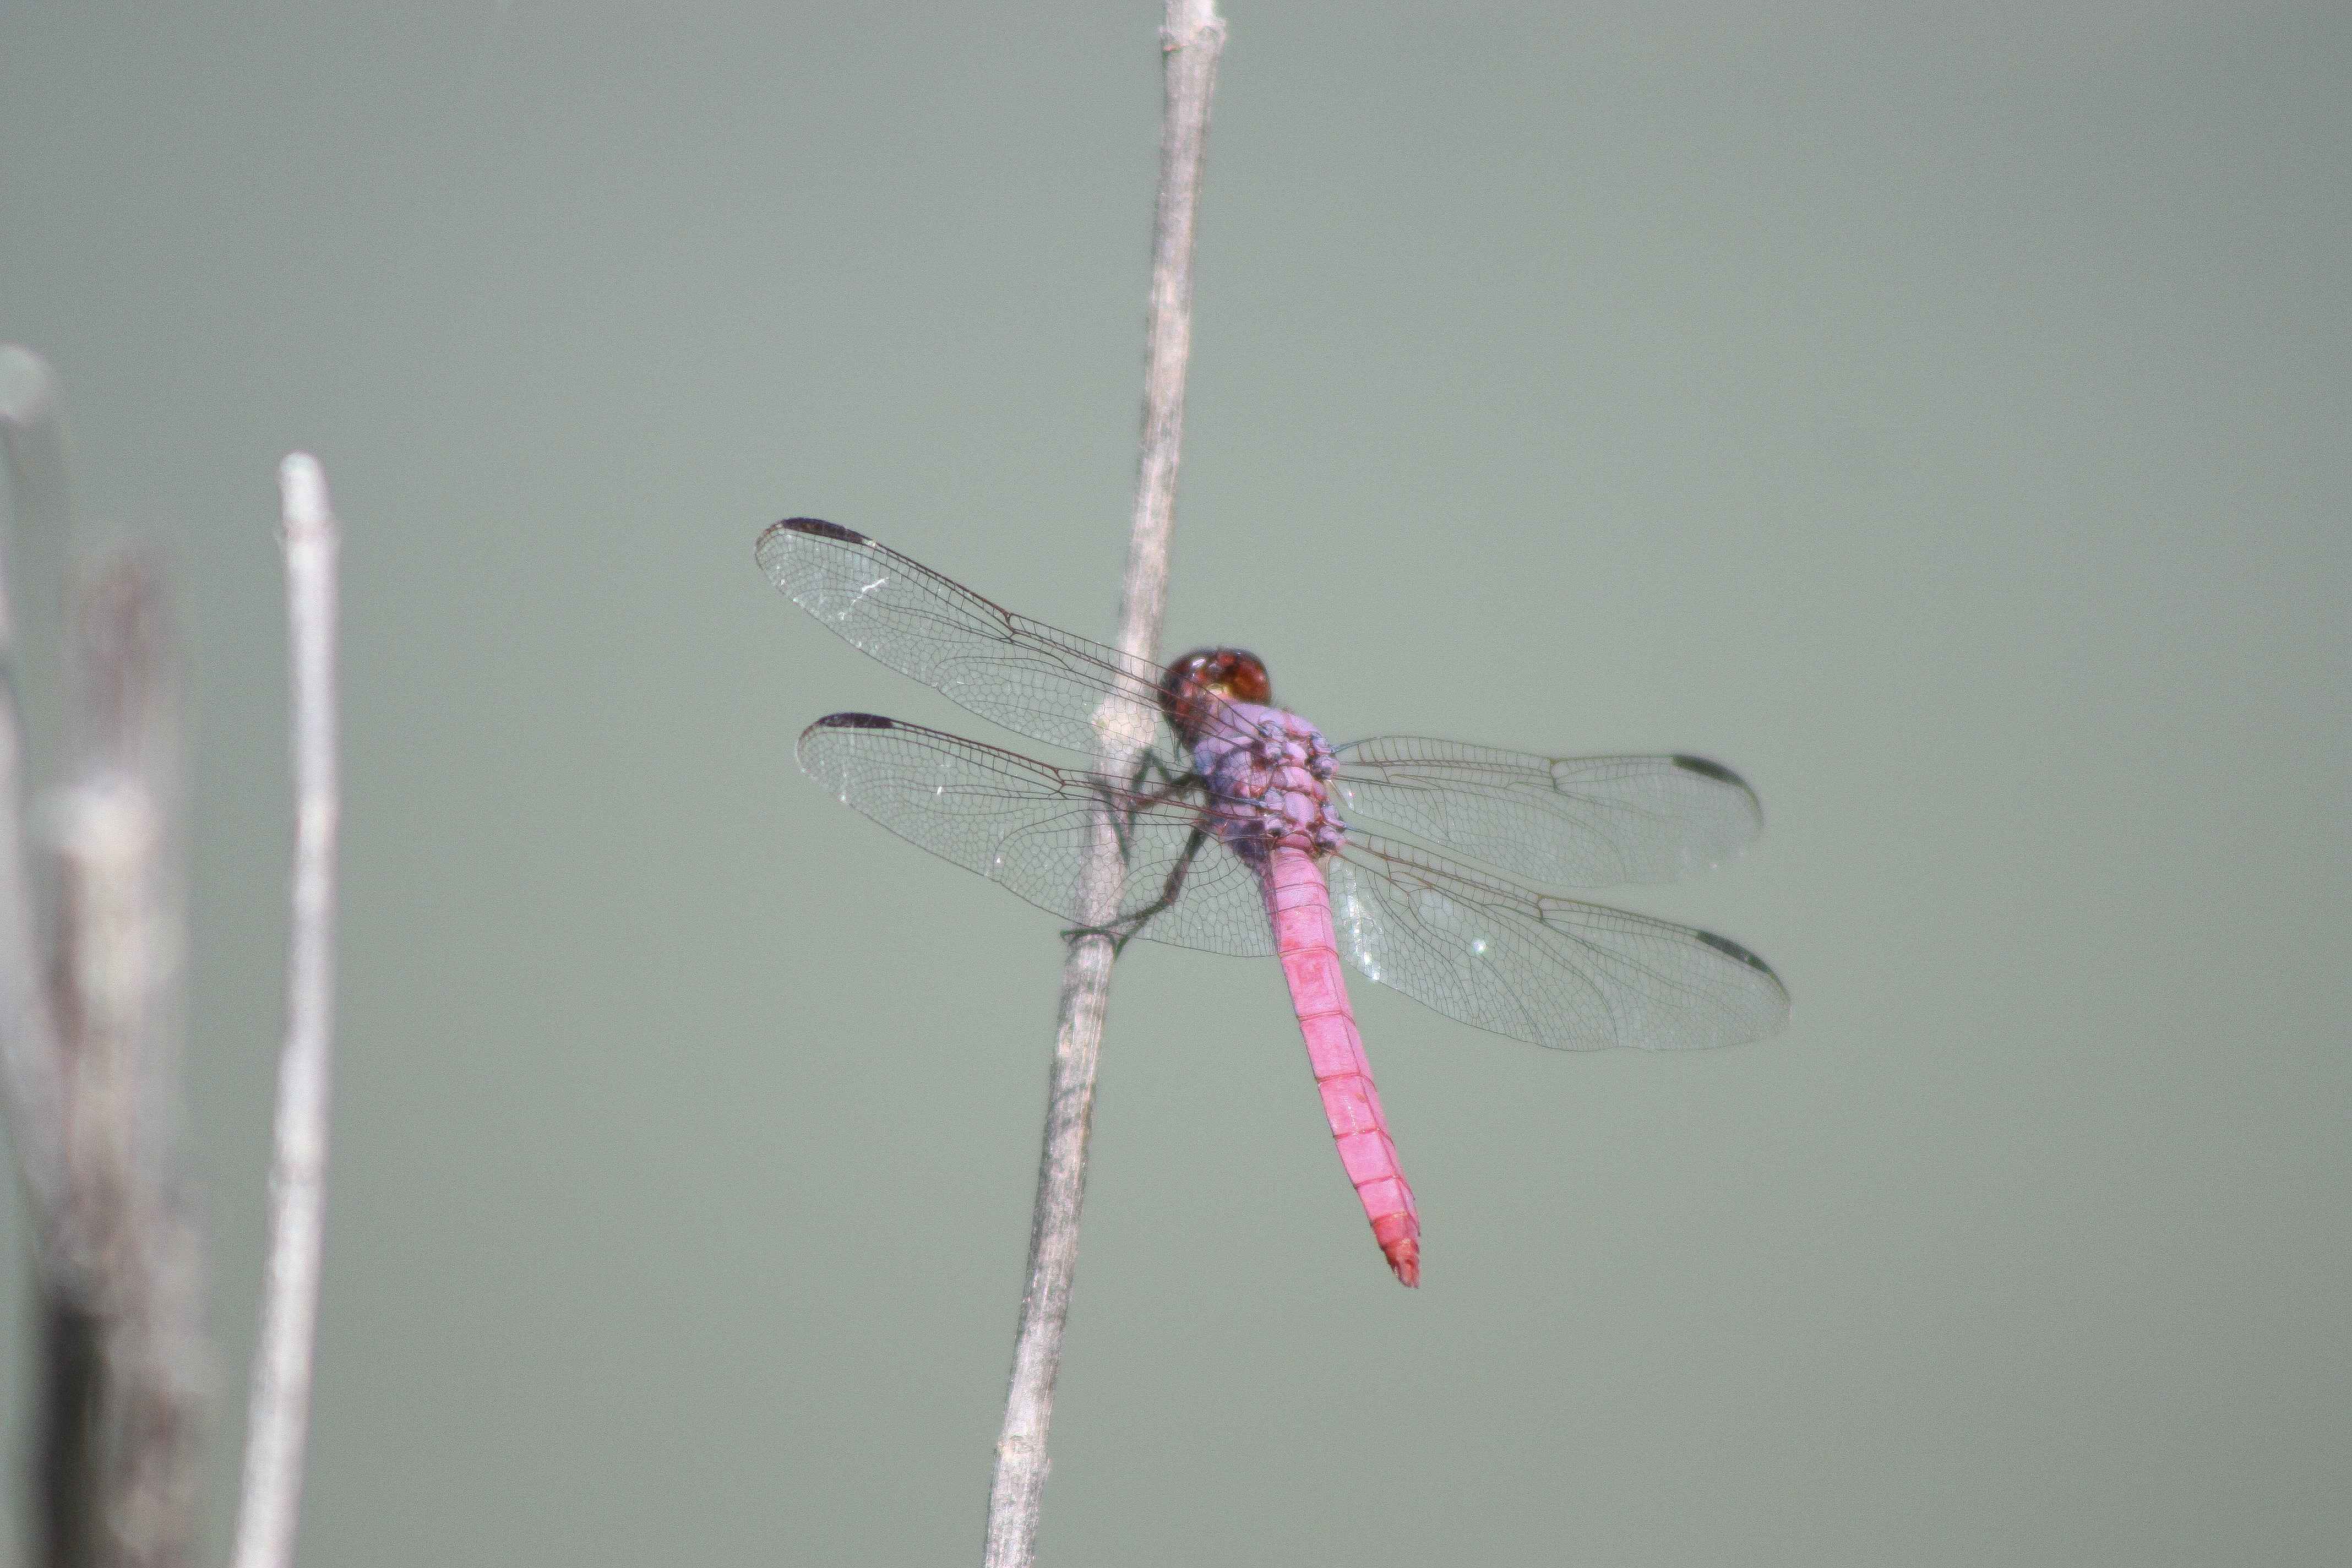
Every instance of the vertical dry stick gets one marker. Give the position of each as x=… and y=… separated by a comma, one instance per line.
x=131, y=1246
x=29, y=1064
x=64, y=1451
x=280, y=1411
x=1191, y=42
x=92, y=1067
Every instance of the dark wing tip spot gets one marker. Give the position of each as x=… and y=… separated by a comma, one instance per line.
x=855, y=722
x=1730, y=949
x=1709, y=769
x=821, y=528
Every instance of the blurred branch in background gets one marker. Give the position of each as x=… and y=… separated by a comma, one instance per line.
x=1191, y=41
x=30, y=1067
x=280, y=1410
x=90, y=1053
x=125, y=1306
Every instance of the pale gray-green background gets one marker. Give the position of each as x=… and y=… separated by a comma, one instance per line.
x=1940, y=417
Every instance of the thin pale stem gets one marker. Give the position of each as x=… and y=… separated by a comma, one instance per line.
x=280, y=1414
x=1191, y=41
x=31, y=1067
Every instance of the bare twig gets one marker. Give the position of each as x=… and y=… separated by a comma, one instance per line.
x=280, y=1411
x=71, y=1111
x=1192, y=40
x=30, y=1067
x=34, y=434
x=125, y=1291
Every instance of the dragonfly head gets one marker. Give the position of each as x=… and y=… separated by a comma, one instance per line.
x=1189, y=685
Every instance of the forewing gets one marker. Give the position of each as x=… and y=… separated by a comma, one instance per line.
x=1579, y=822
x=1020, y=673
x=1025, y=825
x=1556, y=972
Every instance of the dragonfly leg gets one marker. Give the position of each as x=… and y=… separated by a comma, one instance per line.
x=1173, y=785
x=1125, y=929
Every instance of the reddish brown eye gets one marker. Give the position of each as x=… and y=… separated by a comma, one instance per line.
x=1189, y=685
x=1246, y=679
x=1180, y=688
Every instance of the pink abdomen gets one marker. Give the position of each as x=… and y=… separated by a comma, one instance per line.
x=1299, y=903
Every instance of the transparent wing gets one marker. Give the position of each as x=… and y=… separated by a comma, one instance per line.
x=1022, y=674
x=1580, y=822
x=1552, y=971
x=1023, y=824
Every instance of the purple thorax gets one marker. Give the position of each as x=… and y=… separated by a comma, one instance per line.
x=1266, y=770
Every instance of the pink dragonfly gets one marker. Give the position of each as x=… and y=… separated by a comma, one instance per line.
x=1233, y=842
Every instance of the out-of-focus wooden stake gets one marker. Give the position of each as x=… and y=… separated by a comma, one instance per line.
x=90, y=1053
x=280, y=1410
x=32, y=436
x=129, y=1369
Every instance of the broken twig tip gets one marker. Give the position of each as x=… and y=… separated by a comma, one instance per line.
x=303, y=484
x=28, y=387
